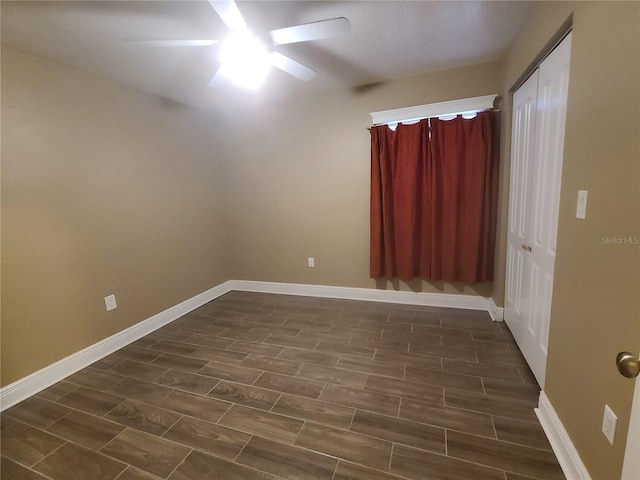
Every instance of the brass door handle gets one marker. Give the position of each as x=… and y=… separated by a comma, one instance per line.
x=526, y=248
x=628, y=365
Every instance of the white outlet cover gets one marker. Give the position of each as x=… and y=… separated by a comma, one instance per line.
x=312, y=262
x=110, y=302
x=609, y=422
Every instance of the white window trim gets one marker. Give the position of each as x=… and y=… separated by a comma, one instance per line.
x=418, y=112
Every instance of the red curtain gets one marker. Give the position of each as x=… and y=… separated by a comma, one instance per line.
x=434, y=188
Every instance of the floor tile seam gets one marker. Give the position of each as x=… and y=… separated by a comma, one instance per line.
x=295, y=377
x=123, y=471
x=444, y=432
x=454, y=374
x=276, y=402
x=490, y=467
x=338, y=459
x=71, y=410
x=527, y=476
x=509, y=442
x=502, y=469
x=174, y=442
x=484, y=388
x=524, y=380
x=253, y=384
x=493, y=397
x=289, y=417
x=24, y=424
x=58, y=402
x=193, y=416
x=335, y=470
x=482, y=375
x=418, y=355
x=372, y=437
x=206, y=377
x=30, y=468
x=179, y=463
x=393, y=446
x=303, y=363
x=66, y=442
x=109, y=370
x=253, y=468
x=430, y=384
x=453, y=429
x=100, y=450
x=210, y=390
x=520, y=400
x=352, y=370
x=519, y=417
x=143, y=379
x=55, y=400
x=498, y=364
x=504, y=339
x=550, y=449
x=400, y=397
x=179, y=419
x=17, y=419
x=354, y=432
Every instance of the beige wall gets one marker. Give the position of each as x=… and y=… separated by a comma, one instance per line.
x=596, y=306
x=300, y=175
x=109, y=190
x=104, y=190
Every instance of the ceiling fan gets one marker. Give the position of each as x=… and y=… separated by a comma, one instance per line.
x=245, y=59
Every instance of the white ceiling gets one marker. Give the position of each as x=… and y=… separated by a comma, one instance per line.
x=389, y=39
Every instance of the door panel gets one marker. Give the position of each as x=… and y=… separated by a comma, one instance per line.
x=537, y=150
x=631, y=466
x=523, y=133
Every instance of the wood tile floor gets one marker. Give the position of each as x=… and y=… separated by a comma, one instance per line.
x=255, y=386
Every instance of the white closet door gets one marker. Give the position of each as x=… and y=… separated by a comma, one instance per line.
x=537, y=182
x=522, y=157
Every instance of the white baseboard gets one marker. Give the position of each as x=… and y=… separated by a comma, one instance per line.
x=44, y=378
x=468, y=302
x=496, y=312
x=568, y=457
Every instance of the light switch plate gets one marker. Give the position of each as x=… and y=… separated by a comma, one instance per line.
x=110, y=302
x=581, y=210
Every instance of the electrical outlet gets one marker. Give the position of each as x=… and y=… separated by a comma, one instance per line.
x=609, y=422
x=312, y=262
x=110, y=302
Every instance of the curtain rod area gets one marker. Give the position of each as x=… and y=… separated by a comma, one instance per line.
x=431, y=110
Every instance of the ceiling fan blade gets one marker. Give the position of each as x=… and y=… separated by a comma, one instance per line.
x=290, y=66
x=229, y=13
x=311, y=31
x=218, y=79
x=176, y=43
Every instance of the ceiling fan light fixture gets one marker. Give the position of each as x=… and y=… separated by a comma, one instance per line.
x=244, y=59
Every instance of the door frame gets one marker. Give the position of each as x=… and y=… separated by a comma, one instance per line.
x=631, y=464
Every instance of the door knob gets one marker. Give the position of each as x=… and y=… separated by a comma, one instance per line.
x=627, y=364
